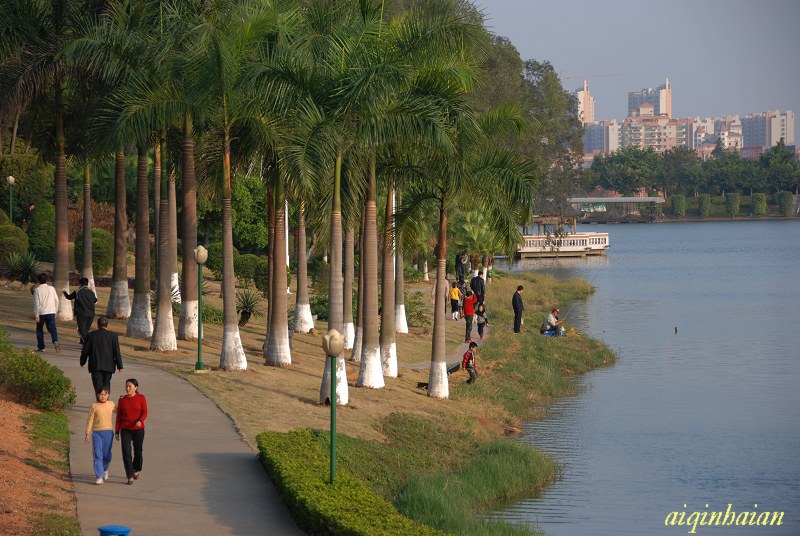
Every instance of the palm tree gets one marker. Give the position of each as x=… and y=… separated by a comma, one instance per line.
x=140, y=322
x=401, y=324
x=163, y=338
x=303, y=321
x=387, y=338
x=277, y=352
x=187, y=325
x=347, y=294
x=87, y=271
x=119, y=304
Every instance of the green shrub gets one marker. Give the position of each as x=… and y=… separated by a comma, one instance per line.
x=42, y=232
x=3, y=217
x=215, y=259
x=31, y=379
x=732, y=204
x=319, y=275
x=759, y=202
x=247, y=302
x=410, y=274
x=245, y=268
x=704, y=205
x=679, y=206
x=102, y=252
x=319, y=306
x=300, y=471
x=22, y=267
x=417, y=312
x=13, y=240
x=213, y=315
x=785, y=202
x=261, y=276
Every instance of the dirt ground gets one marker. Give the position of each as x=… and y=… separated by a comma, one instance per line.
x=25, y=489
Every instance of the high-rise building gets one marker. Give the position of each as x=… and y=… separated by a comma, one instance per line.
x=647, y=130
x=766, y=129
x=601, y=137
x=660, y=98
x=585, y=104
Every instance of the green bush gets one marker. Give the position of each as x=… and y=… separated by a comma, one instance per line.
x=704, y=205
x=13, y=240
x=732, y=204
x=31, y=379
x=785, y=202
x=42, y=232
x=215, y=259
x=759, y=202
x=679, y=206
x=102, y=252
x=22, y=267
x=213, y=315
x=245, y=268
x=3, y=217
x=261, y=276
x=319, y=306
x=412, y=275
x=300, y=471
x=417, y=312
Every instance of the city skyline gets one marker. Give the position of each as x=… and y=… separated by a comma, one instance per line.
x=722, y=57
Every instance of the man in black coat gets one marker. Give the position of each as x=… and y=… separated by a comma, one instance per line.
x=102, y=351
x=478, y=286
x=84, y=307
x=516, y=303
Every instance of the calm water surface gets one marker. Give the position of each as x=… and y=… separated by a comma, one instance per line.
x=710, y=415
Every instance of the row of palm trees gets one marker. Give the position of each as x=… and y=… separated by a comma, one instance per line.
x=330, y=102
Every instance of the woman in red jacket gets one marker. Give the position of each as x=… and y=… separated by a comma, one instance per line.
x=131, y=413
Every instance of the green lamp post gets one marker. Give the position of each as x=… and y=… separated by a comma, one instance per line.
x=333, y=345
x=10, y=181
x=200, y=257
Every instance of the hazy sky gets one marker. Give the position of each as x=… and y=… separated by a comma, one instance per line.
x=721, y=56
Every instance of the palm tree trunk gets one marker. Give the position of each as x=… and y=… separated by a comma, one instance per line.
x=187, y=325
x=387, y=337
x=87, y=271
x=355, y=356
x=270, y=248
x=277, y=352
x=156, y=198
x=232, y=356
x=303, y=321
x=61, y=265
x=437, y=379
x=119, y=302
x=140, y=323
x=401, y=324
x=370, y=374
x=347, y=296
x=172, y=248
x=335, y=297
x=163, y=338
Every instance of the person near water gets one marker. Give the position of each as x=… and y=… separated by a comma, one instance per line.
x=100, y=434
x=84, y=307
x=129, y=428
x=101, y=349
x=553, y=321
x=45, y=308
x=516, y=304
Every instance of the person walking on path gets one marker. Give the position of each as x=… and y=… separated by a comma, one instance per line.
x=468, y=362
x=462, y=288
x=478, y=286
x=516, y=303
x=481, y=318
x=131, y=414
x=455, y=297
x=84, y=307
x=101, y=349
x=100, y=433
x=469, y=314
x=45, y=307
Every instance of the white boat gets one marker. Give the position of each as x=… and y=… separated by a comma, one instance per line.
x=558, y=237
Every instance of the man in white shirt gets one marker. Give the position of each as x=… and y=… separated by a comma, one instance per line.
x=45, y=307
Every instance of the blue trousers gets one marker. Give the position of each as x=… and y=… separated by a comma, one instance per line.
x=50, y=322
x=101, y=451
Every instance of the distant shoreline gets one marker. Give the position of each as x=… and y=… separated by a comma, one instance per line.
x=694, y=220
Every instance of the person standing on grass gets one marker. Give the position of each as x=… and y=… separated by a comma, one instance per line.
x=469, y=314
x=101, y=349
x=84, y=307
x=516, y=303
x=481, y=318
x=131, y=413
x=45, y=307
x=100, y=433
x=468, y=362
x=478, y=286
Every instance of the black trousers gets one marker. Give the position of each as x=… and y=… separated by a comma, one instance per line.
x=102, y=379
x=517, y=321
x=84, y=325
x=468, y=332
x=135, y=438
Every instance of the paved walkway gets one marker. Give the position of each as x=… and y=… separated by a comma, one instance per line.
x=199, y=476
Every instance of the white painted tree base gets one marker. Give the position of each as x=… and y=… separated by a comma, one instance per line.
x=303, y=321
x=163, y=338
x=342, y=389
x=349, y=335
x=89, y=274
x=400, y=322
x=370, y=374
x=187, y=323
x=232, y=358
x=425, y=271
x=277, y=352
x=438, y=386
x=355, y=357
x=140, y=323
x=119, y=301
x=389, y=361
x=64, y=306
x=175, y=287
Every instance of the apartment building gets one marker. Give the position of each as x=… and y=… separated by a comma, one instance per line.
x=660, y=98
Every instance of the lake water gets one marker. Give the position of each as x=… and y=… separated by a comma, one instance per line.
x=709, y=415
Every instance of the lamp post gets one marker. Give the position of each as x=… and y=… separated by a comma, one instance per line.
x=10, y=181
x=200, y=257
x=333, y=345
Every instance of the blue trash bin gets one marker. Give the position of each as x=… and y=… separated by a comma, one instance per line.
x=114, y=530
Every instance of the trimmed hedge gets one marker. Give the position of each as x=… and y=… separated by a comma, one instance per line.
x=704, y=205
x=245, y=268
x=678, y=206
x=300, y=471
x=13, y=240
x=785, y=202
x=31, y=379
x=42, y=232
x=759, y=202
x=102, y=252
x=215, y=259
x=261, y=277
x=732, y=204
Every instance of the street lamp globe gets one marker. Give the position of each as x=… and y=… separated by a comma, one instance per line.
x=333, y=343
x=10, y=180
x=200, y=255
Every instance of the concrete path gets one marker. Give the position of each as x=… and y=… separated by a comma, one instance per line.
x=199, y=477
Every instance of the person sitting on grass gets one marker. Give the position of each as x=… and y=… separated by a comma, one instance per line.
x=553, y=323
